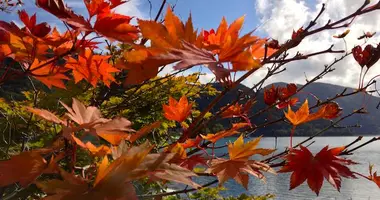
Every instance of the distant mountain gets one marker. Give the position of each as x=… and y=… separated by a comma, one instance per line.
x=370, y=123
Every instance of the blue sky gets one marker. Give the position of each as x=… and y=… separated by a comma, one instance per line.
x=275, y=18
x=206, y=14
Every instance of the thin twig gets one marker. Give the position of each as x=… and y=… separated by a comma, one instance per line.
x=176, y=192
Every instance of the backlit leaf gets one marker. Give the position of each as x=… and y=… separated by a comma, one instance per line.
x=59, y=9
x=177, y=110
x=48, y=73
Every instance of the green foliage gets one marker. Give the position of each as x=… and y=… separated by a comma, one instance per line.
x=143, y=104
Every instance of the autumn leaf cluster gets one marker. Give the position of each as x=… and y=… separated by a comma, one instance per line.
x=106, y=87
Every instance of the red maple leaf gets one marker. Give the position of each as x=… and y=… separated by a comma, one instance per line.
x=281, y=95
x=325, y=164
x=191, y=162
x=192, y=143
x=60, y=10
x=111, y=25
x=298, y=33
x=39, y=30
x=367, y=57
x=270, y=95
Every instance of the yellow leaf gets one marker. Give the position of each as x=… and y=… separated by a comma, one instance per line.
x=240, y=151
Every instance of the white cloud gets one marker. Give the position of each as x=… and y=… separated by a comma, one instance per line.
x=168, y=69
x=207, y=77
x=281, y=18
x=131, y=8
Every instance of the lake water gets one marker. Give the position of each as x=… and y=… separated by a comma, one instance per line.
x=353, y=189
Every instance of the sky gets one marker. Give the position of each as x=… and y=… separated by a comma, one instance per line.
x=271, y=18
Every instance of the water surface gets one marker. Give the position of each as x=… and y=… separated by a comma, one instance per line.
x=355, y=189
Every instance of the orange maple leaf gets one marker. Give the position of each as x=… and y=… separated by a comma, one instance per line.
x=239, y=166
x=192, y=143
x=304, y=166
x=329, y=110
x=170, y=34
x=225, y=43
x=302, y=115
x=258, y=51
x=92, y=68
x=225, y=133
x=99, y=151
x=218, y=38
x=55, y=38
x=177, y=110
x=23, y=45
x=242, y=151
x=5, y=51
x=142, y=64
x=112, y=127
x=114, y=138
x=23, y=168
x=48, y=73
x=230, y=48
x=238, y=110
